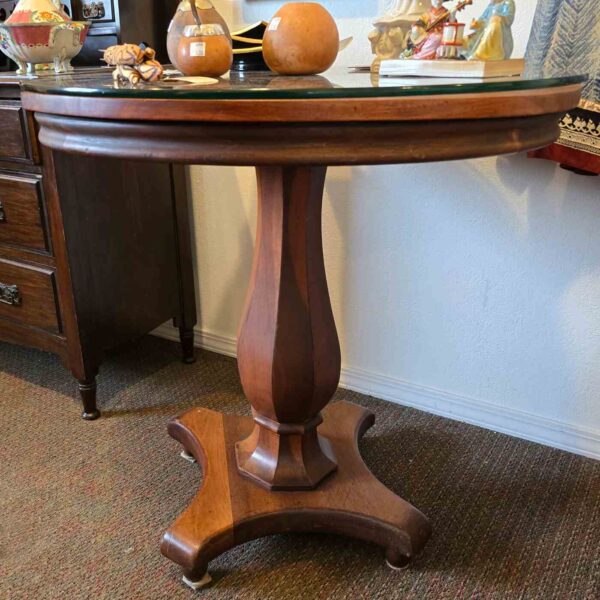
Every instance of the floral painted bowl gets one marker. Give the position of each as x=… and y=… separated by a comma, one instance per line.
x=31, y=44
x=38, y=11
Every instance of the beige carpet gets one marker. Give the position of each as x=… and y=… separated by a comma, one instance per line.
x=83, y=505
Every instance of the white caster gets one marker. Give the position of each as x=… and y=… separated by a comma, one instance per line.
x=187, y=456
x=402, y=568
x=198, y=585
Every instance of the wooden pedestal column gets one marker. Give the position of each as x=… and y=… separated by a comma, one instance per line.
x=288, y=349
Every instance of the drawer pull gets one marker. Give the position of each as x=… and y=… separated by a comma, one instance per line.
x=2, y=213
x=9, y=294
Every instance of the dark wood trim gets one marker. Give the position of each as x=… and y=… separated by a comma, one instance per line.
x=10, y=166
x=328, y=144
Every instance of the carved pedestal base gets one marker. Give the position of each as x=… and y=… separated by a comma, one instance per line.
x=231, y=509
x=285, y=457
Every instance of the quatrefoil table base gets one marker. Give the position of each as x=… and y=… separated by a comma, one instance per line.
x=231, y=509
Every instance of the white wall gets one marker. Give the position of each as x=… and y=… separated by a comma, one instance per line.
x=469, y=289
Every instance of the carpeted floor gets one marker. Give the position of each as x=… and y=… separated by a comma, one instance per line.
x=83, y=505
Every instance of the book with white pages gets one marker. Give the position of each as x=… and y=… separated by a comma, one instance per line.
x=468, y=69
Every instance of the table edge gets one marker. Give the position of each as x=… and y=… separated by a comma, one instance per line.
x=445, y=107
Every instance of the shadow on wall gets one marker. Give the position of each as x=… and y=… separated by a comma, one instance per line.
x=564, y=218
x=454, y=276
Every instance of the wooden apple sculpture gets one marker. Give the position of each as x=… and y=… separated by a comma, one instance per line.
x=301, y=39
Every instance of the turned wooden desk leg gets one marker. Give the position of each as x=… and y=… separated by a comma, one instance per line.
x=187, y=318
x=288, y=349
x=186, y=337
x=87, y=390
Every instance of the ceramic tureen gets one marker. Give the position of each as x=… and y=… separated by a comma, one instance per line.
x=39, y=32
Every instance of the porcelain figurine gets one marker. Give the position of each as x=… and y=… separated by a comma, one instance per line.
x=437, y=15
x=421, y=45
x=427, y=34
x=492, y=36
x=433, y=23
x=388, y=41
x=392, y=30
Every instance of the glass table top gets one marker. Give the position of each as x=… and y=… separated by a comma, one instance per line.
x=337, y=83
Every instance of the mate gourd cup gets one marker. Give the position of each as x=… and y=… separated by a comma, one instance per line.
x=204, y=50
x=301, y=39
x=183, y=18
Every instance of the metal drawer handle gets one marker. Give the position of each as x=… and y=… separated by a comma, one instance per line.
x=9, y=294
x=2, y=213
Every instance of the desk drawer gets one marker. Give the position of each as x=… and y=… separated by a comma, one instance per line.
x=15, y=139
x=22, y=221
x=27, y=295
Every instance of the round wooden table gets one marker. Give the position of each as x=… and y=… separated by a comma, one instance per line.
x=295, y=465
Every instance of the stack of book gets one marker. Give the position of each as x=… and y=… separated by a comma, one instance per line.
x=452, y=68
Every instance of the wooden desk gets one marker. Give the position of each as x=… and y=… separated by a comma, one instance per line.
x=295, y=466
x=86, y=260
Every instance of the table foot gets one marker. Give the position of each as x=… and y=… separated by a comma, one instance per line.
x=231, y=509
